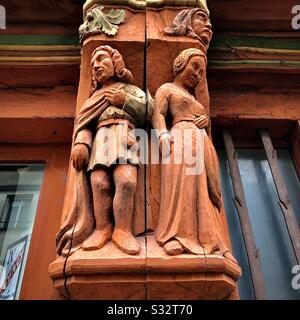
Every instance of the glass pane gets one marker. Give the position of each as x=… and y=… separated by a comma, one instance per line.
x=266, y=218
x=19, y=192
x=268, y=224
x=245, y=283
x=291, y=180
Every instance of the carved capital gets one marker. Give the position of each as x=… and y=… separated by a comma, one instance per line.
x=143, y=4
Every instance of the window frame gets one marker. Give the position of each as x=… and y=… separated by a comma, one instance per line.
x=36, y=283
x=289, y=142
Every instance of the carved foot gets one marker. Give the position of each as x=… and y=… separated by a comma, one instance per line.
x=173, y=248
x=97, y=239
x=125, y=241
x=229, y=256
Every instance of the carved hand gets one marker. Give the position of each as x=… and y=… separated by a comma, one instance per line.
x=80, y=156
x=202, y=122
x=115, y=97
x=165, y=141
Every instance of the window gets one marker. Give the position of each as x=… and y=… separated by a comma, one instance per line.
x=19, y=192
x=15, y=210
x=267, y=221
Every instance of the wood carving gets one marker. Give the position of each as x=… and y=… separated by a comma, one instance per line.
x=102, y=183
x=193, y=23
x=143, y=4
x=99, y=22
x=189, y=218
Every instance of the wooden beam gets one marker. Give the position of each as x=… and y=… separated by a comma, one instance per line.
x=37, y=115
x=284, y=201
x=295, y=146
x=252, y=15
x=241, y=207
x=256, y=105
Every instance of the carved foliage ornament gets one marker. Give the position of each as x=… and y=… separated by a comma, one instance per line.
x=98, y=21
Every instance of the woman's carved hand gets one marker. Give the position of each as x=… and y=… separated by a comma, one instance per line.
x=115, y=97
x=202, y=122
x=165, y=141
x=80, y=156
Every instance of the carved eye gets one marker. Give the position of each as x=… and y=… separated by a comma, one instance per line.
x=200, y=16
x=89, y=17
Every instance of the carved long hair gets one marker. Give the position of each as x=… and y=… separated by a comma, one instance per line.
x=121, y=72
x=183, y=25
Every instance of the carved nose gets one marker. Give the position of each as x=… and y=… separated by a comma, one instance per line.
x=97, y=67
x=208, y=25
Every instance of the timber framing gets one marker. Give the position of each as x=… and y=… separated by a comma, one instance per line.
x=283, y=198
x=241, y=207
x=143, y=4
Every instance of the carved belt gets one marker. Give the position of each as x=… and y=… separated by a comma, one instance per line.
x=110, y=122
x=187, y=118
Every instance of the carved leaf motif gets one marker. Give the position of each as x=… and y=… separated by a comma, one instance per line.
x=116, y=16
x=97, y=22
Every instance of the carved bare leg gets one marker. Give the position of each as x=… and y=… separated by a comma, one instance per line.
x=125, y=178
x=102, y=200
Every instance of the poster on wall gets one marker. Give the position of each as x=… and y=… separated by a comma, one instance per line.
x=10, y=275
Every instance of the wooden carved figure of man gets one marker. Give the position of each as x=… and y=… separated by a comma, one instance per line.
x=103, y=177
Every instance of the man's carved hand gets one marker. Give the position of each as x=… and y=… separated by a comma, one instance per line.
x=115, y=97
x=80, y=156
x=202, y=122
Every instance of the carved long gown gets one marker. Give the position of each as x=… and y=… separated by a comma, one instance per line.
x=190, y=204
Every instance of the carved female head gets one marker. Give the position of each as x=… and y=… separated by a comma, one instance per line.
x=189, y=66
x=106, y=64
x=193, y=23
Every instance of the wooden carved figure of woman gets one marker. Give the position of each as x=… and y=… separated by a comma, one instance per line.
x=190, y=207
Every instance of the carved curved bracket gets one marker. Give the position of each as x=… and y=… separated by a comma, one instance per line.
x=99, y=22
x=142, y=4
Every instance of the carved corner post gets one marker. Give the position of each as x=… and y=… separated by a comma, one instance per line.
x=101, y=252
x=177, y=267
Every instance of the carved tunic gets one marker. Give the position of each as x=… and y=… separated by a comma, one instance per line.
x=114, y=135
x=79, y=218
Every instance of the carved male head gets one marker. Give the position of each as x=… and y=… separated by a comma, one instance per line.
x=107, y=64
x=193, y=23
